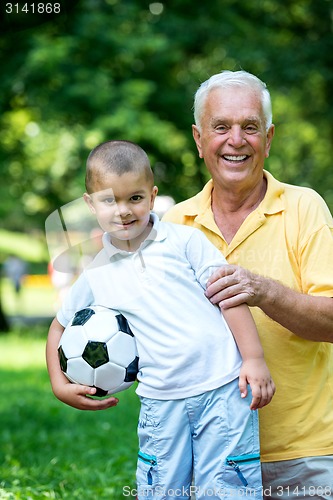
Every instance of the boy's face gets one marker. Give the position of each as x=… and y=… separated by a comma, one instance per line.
x=122, y=206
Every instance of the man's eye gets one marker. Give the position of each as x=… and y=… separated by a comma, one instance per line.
x=222, y=129
x=251, y=129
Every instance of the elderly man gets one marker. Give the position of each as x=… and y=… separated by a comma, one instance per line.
x=278, y=240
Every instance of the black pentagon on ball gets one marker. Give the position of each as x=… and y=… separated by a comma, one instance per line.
x=81, y=317
x=132, y=370
x=123, y=325
x=100, y=392
x=95, y=353
x=62, y=359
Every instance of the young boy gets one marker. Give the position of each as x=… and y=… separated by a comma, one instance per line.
x=193, y=420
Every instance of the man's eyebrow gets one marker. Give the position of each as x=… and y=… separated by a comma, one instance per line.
x=247, y=119
x=219, y=119
x=252, y=119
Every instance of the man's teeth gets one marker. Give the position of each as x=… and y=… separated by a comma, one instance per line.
x=235, y=158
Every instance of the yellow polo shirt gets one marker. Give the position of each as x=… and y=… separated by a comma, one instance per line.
x=289, y=238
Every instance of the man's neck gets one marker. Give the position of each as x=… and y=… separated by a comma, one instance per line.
x=231, y=207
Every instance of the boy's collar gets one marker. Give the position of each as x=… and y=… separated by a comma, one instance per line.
x=157, y=233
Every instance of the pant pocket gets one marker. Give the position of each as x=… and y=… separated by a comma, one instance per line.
x=243, y=472
x=146, y=470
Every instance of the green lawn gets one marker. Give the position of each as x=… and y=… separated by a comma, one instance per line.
x=49, y=450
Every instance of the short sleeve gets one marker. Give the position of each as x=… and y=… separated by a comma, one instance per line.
x=317, y=263
x=79, y=296
x=203, y=256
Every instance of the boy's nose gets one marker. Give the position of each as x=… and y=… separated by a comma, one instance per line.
x=123, y=210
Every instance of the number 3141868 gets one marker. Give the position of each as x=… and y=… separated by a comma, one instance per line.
x=33, y=8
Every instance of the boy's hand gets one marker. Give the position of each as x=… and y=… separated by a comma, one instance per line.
x=79, y=396
x=255, y=372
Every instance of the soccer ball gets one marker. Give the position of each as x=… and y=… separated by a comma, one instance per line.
x=98, y=349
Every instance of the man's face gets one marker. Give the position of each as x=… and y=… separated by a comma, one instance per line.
x=233, y=140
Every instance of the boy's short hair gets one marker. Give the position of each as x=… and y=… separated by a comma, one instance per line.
x=117, y=157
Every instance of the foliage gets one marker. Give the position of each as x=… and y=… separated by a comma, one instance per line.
x=49, y=450
x=32, y=250
x=128, y=69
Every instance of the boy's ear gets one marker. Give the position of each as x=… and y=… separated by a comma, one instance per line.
x=153, y=196
x=89, y=202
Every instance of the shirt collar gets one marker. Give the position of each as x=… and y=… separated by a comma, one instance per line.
x=157, y=233
x=273, y=201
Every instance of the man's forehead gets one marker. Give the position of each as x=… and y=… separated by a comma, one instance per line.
x=241, y=97
x=234, y=104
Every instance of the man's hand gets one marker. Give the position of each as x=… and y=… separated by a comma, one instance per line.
x=232, y=285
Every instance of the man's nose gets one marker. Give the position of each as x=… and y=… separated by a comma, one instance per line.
x=236, y=137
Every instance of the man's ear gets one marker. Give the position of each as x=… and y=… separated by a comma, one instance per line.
x=197, y=139
x=269, y=138
x=89, y=202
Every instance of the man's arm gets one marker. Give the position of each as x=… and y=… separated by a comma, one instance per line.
x=254, y=370
x=72, y=394
x=307, y=316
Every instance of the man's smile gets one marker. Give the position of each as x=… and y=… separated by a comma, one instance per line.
x=235, y=158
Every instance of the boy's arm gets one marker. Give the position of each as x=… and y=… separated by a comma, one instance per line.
x=254, y=370
x=72, y=394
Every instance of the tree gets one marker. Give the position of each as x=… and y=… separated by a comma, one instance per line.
x=128, y=69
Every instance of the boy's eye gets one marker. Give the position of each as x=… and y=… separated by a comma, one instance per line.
x=136, y=197
x=109, y=200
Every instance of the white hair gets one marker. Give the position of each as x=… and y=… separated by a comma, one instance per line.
x=227, y=79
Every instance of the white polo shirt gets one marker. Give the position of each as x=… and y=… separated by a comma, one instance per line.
x=184, y=344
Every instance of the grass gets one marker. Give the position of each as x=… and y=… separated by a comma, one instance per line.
x=49, y=450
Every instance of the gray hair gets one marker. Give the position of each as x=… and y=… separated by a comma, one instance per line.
x=227, y=79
